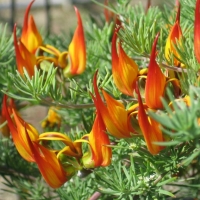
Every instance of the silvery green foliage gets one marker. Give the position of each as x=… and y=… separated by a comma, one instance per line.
x=134, y=172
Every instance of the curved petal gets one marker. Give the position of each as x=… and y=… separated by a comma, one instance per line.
x=77, y=50
x=99, y=153
x=57, y=136
x=175, y=35
x=62, y=59
x=117, y=125
x=68, y=151
x=50, y=49
x=197, y=31
x=124, y=69
x=49, y=165
x=150, y=129
x=155, y=83
x=30, y=37
x=22, y=54
x=98, y=140
x=111, y=113
x=22, y=129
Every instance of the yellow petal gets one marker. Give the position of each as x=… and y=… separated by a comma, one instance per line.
x=114, y=115
x=98, y=140
x=77, y=50
x=150, y=129
x=175, y=35
x=49, y=166
x=30, y=37
x=19, y=135
x=124, y=69
x=22, y=54
x=155, y=83
x=57, y=136
x=117, y=124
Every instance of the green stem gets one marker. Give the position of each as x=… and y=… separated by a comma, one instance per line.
x=79, y=106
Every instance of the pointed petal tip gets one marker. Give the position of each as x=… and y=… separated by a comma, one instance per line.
x=95, y=79
x=155, y=41
x=77, y=50
x=78, y=14
x=27, y=13
x=197, y=31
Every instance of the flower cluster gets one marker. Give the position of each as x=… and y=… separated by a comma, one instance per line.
x=30, y=45
x=147, y=85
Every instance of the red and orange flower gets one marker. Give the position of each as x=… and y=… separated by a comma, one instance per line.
x=197, y=31
x=175, y=37
x=100, y=153
x=30, y=36
x=124, y=69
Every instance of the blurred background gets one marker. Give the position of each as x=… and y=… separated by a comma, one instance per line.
x=53, y=16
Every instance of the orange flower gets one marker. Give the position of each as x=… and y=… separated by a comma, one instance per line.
x=48, y=164
x=70, y=155
x=24, y=58
x=59, y=58
x=197, y=31
x=30, y=37
x=150, y=129
x=19, y=131
x=113, y=113
x=187, y=100
x=77, y=51
x=100, y=154
x=175, y=36
x=53, y=118
x=155, y=83
x=124, y=69
x=72, y=149
x=74, y=61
